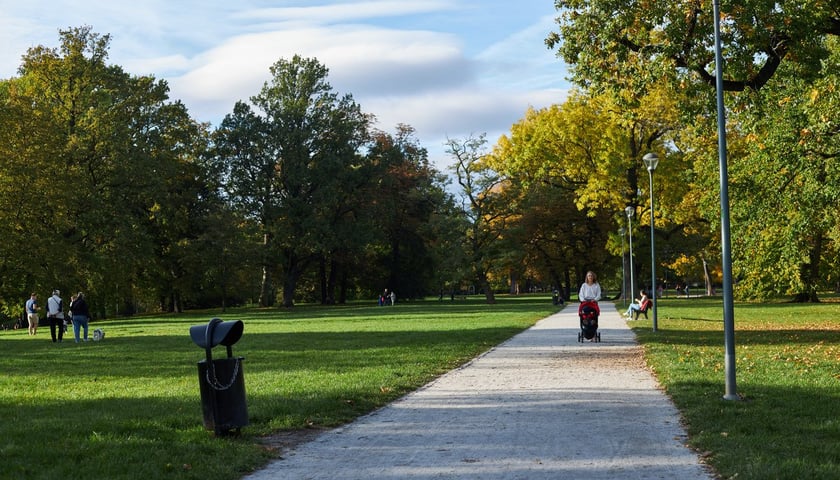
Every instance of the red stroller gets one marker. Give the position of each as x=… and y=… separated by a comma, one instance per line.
x=588, y=312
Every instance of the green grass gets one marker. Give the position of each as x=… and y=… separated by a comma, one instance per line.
x=787, y=355
x=129, y=407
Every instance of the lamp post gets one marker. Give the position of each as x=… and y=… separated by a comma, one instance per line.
x=652, y=160
x=623, y=264
x=731, y=392
x=630, y=211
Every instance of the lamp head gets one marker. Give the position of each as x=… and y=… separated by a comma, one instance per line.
x=630, y=211
x=651, y=160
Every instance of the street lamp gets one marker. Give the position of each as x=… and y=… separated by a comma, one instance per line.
x=726, y=247
x=623, y=264
x=652, y=160
x=630, y=211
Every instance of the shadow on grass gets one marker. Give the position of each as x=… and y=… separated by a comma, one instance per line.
x=778, y=432
x=147, y=420
x=743, y=337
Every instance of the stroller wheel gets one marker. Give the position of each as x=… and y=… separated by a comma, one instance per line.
x=580, y=337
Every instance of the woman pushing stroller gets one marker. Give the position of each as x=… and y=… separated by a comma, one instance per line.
x=590, y=289
x=588, y=311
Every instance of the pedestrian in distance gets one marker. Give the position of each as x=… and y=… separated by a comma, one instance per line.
x=55, y=314
x=32, y=308
x=81, y=316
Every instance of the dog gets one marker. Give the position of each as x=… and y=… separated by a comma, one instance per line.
x=98, y=334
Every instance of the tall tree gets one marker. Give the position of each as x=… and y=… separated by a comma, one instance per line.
x=627, y=44
x=405, y=195
x=285, y=165
x=788, y=186
x=104, y=141
x=484, y=205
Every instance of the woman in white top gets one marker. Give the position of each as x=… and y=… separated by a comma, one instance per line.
x=590, y=289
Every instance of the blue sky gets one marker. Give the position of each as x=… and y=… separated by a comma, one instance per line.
x=449, y=68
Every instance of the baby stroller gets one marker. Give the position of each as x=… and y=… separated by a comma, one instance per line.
x=588, y=312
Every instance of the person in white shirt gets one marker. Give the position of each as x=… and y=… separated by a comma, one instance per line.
x=590, y=289
x=56, y=316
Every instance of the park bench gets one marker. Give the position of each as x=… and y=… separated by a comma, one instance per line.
x=645, y=307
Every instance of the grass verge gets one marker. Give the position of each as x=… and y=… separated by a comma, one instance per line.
x=129, y=407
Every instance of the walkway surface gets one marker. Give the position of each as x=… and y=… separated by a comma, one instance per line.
x=539, y=406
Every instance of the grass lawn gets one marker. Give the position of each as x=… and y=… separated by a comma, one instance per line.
x=129, y=407
x=788, y=372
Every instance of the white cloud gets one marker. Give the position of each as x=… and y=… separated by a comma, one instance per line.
x=449, y=68
x=363, y=61
x=345, y=12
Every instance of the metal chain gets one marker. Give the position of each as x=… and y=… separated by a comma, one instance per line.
x=213, y=381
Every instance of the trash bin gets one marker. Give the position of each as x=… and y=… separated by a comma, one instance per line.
x=221, y=380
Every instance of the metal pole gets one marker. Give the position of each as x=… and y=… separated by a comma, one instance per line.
x=623, y=269
x=630, y=211
x=652, y=252
x=726, y=252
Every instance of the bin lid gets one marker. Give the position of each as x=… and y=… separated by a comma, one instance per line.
x=224, y=333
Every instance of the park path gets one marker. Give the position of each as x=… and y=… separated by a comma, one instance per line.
x=539, y=406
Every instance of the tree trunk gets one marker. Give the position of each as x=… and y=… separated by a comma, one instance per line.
x=482, y=282
x=707, y=278
x=331, y=281
x=289, y=284
x=568, y=284
x=342, y=293
x=293, y=269
x=810, y=273
x=267, y=283
x=514, y=282
x=322, y=279
x=330, y=278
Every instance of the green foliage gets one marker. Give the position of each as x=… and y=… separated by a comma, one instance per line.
x=628, y=46
x=130, y=406
x=788, y=187
x=573, y=168
x=99, y=181
x=781, y=58
x=112, y=189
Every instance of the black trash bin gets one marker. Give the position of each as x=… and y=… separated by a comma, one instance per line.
x=221, y=380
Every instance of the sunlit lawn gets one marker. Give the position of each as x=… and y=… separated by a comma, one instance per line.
x=787, y=356
x=129, y=407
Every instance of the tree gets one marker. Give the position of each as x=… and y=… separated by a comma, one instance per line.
x=404, y=196
x=484, y=207
x=628, y=44
x=578, y=166
x=285, y=165
x=100, y=142
x=788, y=185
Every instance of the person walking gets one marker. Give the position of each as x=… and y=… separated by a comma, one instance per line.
x=590, y=289
x=55, y=313
x=32, y=308
x=81, y=316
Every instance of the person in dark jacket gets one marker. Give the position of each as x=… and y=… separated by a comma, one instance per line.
x=81, y=315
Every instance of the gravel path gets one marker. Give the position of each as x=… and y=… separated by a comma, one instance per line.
x=539, y=406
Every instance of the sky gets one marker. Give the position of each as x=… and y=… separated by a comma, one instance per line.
x=448, y=68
